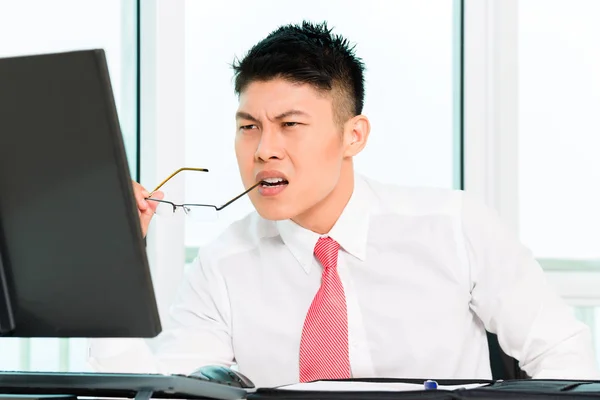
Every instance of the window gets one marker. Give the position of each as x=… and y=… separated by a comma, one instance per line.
x=559, y=102
x=412, y=55
x=40, y=26
x=559, y=140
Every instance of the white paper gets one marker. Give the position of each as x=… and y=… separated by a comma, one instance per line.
x=371, y=386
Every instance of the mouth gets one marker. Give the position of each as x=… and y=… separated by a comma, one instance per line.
x=271, y=183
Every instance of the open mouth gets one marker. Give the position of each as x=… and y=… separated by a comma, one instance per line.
x=273, y=182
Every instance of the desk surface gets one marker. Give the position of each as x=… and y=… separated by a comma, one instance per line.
x=180, y=387
x=522, y=389
x=115, y=385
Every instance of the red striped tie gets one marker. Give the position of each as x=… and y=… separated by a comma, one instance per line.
x=324, y=344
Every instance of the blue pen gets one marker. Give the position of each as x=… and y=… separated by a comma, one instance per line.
x=430, y=385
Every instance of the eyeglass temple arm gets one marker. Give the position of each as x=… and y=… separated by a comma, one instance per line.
x=238, y=196
x=175, y=173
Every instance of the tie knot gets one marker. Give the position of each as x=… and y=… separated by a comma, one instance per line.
x=326, y=251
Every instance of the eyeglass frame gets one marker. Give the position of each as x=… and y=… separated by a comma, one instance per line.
x=217, y=208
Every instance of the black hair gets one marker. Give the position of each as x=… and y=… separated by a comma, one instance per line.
x=307, y=53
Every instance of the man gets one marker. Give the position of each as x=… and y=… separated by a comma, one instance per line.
x=336, y=275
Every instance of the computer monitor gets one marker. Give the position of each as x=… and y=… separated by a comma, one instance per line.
x=72, y=258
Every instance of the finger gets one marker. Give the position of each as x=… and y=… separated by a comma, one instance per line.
x=146, y=216
x=158, y=195
x=154, y=204
x=140, y=196
x=145, y=219
x=142, y=204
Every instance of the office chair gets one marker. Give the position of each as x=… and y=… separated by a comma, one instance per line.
x=503, y=366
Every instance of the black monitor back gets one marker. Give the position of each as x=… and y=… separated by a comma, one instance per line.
x=72, y=258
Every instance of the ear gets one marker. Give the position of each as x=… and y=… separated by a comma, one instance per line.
x=356, y=134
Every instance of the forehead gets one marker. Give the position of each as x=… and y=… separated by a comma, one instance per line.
x=281, y=94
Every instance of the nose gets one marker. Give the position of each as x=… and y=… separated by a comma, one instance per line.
x=270, y=146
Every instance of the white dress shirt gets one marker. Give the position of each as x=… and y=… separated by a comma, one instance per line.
x=425, y=273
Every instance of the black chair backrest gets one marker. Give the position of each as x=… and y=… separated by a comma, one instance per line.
x=503, y=366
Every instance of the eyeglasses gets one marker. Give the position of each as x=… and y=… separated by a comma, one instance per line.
x=203, y=212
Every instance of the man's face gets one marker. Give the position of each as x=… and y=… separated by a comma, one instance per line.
x=287, y=135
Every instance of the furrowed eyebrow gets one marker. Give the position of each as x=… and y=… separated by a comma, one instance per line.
x=291, y=113
x=286, y=114
x=245, y=115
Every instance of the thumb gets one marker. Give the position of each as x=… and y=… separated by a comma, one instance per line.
x=146, y=218
x=153, y=204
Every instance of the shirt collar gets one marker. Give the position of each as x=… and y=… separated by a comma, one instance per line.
x=350, y=230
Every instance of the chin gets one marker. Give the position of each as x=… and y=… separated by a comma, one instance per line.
x=273, y=214
x=272, y=211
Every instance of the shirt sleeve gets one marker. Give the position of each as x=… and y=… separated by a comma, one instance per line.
x=197, y=334
x=511, y=296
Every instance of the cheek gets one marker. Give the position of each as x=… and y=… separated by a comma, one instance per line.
x=329, y=152
x=320, y=159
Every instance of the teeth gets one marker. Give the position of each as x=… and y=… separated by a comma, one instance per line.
x=273, y=180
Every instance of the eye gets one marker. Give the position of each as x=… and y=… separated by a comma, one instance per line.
x=290, y=124
x=247, y=127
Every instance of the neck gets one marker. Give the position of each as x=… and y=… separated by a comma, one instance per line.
x=322, y=216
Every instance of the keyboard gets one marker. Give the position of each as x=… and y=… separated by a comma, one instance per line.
x=137, y=386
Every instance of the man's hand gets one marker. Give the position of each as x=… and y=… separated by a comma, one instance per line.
x=146, y=209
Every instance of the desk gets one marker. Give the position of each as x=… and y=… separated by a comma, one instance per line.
x=145, y=387
x=512, y=389
x=138, y=386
